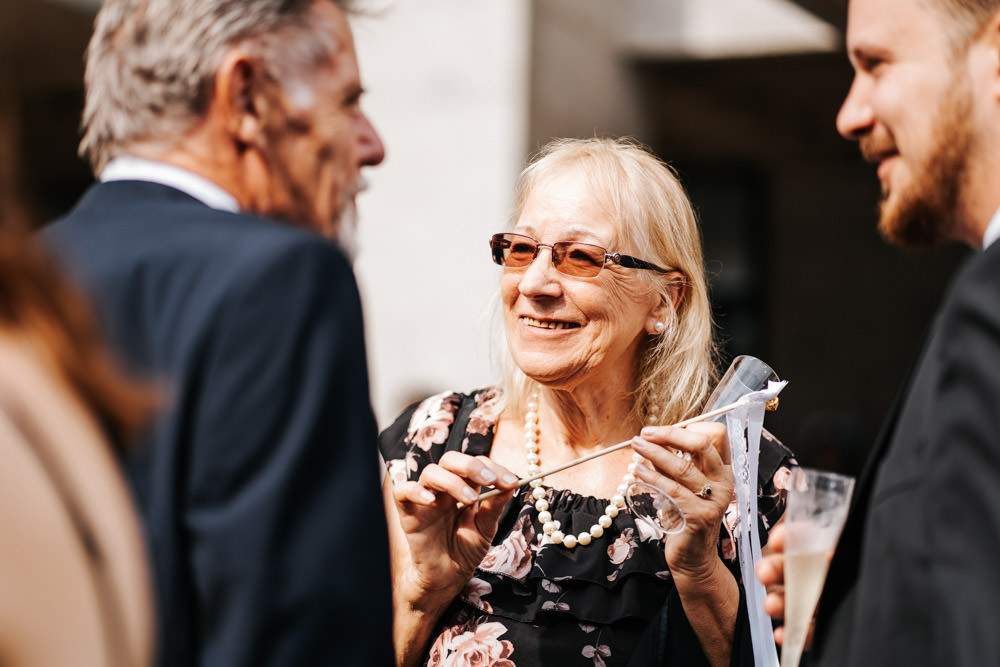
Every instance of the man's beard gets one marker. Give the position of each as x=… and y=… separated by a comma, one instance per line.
x=347, y=230
x=924, y=212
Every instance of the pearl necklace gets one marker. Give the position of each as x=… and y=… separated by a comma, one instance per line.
x=550, y=528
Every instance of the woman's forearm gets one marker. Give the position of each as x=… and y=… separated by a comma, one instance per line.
x=711, y=603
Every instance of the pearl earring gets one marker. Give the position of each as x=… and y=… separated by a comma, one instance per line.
x=659, y=327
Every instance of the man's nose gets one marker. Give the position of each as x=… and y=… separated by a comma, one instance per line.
x=371, y=151
x=856, y=116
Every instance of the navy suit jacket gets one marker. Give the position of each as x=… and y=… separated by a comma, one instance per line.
x=258, y=481
x=915, y=579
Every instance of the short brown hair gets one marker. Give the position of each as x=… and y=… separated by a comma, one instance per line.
x=965, y=19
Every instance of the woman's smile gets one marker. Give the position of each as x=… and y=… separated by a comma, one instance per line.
x=548, y=324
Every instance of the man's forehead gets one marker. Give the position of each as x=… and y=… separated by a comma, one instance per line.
x=878, y=27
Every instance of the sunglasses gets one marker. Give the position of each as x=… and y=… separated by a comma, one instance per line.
x=581, y=260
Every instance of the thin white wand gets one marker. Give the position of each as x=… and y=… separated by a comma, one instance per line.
x=607, y=450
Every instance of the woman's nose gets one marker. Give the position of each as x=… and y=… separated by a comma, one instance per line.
x=540, y=277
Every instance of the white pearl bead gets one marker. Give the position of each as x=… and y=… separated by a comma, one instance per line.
x=556, y=523
x=569, y=541
x=629, y=478
x=622, y=489
x=532, y=416
x=611, y=511
x=531, y=457
x=617, y=500
x=604, y=520
x=550, y=527
x=583, y=538
x=637, y=457
x=544, y=517
x=557, y=537
x=632, y=467
x=541, y=505
x=596, y=530
x=537, y=493
x=535, y=483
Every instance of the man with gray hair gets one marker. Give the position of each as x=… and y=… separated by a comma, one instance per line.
x=229, y=141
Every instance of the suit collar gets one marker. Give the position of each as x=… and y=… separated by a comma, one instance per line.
x=130, y=168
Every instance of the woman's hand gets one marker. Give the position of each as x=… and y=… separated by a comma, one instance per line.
x=445, y=543
x=687, y=462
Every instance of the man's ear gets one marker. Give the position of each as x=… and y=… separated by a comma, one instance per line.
x=240, y=98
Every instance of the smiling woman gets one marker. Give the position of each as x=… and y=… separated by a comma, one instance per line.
x=608, y=328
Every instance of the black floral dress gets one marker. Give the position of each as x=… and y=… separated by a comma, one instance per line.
x=534, y=604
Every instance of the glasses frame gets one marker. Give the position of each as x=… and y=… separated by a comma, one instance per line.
x=497, y=248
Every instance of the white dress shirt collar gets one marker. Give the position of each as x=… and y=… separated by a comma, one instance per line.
x=130, y=168
x=992, y=230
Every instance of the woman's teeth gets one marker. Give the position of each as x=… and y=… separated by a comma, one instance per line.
x=548, y=324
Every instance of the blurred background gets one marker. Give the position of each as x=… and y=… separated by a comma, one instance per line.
x=739, y=96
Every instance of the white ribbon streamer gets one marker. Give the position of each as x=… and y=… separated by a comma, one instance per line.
x=743, y=426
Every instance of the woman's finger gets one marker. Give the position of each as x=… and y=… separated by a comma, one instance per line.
x=480, y=469
x=438, y=479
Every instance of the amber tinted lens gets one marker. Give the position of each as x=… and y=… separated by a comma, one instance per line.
x=578, y=259
x=513, y=249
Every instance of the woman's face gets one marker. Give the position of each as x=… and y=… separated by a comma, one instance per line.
x=565, y=331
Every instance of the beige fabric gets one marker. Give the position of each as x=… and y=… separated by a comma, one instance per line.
x=56, y=608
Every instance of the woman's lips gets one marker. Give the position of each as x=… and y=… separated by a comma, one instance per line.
x=548, y=324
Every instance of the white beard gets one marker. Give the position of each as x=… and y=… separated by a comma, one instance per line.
x=347, y=233
x=347, y=230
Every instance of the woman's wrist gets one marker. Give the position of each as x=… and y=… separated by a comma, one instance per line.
x=708, y=580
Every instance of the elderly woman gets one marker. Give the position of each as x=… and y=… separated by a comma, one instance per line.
x=608, y=329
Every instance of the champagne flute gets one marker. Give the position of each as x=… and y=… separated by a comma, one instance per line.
x=654, y=508
x=815, y=511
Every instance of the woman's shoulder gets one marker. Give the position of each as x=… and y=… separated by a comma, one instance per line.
x=449, y=421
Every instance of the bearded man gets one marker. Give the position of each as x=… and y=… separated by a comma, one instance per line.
x=914, y=580
x=229, y=141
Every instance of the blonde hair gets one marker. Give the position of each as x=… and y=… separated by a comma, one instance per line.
x=677, y=367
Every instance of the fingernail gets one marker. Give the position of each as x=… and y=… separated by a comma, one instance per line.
x=427, y=496
x=647, y=430
x=469, y=495
x=639, y=443
x=487, y=476
x=509, y=478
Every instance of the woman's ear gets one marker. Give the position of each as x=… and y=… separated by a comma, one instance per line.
x=656, y=322
x=677, y=287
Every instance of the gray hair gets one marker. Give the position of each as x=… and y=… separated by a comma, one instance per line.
x=151, y=64
x=678, y=367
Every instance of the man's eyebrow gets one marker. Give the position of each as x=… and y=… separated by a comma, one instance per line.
x=354, y=94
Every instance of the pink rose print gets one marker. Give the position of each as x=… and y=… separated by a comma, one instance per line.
x=623, y=547
x=512, y=557
x=728, y=549
x=399, y=469
x=431, y=421
x=597, y=654
x=485, y=413
x=474, y=591
x=480, y=646
x=782, y=478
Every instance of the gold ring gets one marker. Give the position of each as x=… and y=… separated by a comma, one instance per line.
x=706, y=492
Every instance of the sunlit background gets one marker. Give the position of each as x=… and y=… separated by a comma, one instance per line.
x=739, y=95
